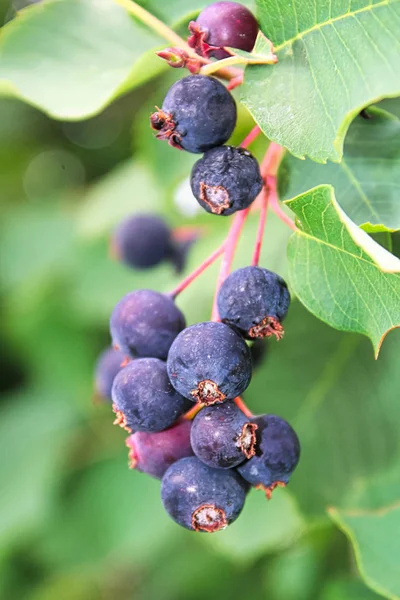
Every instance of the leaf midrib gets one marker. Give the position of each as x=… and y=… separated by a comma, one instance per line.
x=319, y=26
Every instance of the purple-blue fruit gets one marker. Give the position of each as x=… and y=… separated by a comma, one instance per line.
x=277, y=454
x=153, y=453
x=254, y=301
x=108, y=365
x=145, y=323
x=144, y=399
x=201, y=498
x=223, y=24
x=222, y=436
x=209, y=362
x=142, y=241
x=225, y=180
x=198, y=114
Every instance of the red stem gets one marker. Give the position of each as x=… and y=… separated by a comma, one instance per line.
x=252, y=135
x=192, y=276
x=234, y=82
x=231, y=244
x=242, y=406
x=261, y=227
x=274, y=202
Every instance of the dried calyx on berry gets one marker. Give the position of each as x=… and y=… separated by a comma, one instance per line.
x=201, y=498
x=254, y=301
x=209, y=362
x=221, y=25
x=198, y=114
x=225, y=180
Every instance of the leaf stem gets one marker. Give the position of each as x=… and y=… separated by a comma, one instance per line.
x=192, y=276
x=220, y=64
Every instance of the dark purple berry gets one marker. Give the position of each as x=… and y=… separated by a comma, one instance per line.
x=254, y=301
x=144, y=399
x=145, y=323
x=142, y=241
x=225, y=180
x=153, y=453
x=277, y=454
x=198, y=113
x=209, y=362
x=201, y=498
x=223, y=24
x=222, y=436
x=108, y=365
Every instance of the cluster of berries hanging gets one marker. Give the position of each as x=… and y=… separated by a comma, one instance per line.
x=176, y=389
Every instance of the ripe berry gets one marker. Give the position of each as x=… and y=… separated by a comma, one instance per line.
x=209, y=362
x=225, y=180
x=153, y=453
x=198, y=113
x=145, y=323
x=222, y=436
x=254, y=301
x=108, y=365
x=142, y=241
x=223, y=24
x=143, y=397
x=277, y=454
x=201, y=498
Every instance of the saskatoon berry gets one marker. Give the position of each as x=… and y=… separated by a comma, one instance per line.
x=222, y=436
x=225, y=180
x=277, y=454
x=143, y=397
x=198, y=113
x=254, y=301
x=108, y=365
x=142, y=241
x=153, y=453
x=223, y=24
x=201, y=498
x=145, y=323
x=209, y=362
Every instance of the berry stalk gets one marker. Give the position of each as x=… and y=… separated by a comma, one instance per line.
x=261, y=227
x=242, y=406
x=250, y=137
x=231, y=243
x=192, y=276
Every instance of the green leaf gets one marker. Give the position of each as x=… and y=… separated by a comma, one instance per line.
x=334, y=59
x=264, y=526
x=347, y=589
x=376, y=542
x=338, y=272
x=366, y=181
x=70, y=58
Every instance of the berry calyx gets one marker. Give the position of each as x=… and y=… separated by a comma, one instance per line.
x=198, y=113
x=209, y=518
x=207, y=392
x=220, y=25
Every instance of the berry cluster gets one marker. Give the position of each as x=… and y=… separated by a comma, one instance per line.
x=175, y=388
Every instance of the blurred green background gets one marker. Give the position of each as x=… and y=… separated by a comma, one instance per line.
x=75, y=522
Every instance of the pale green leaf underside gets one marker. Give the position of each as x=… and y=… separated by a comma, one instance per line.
x=376, y=541
x=338, y=272
x=72, y=57
x=367, y=180
x=335, y=57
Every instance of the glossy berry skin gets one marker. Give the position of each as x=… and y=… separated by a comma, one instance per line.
x=209, y=362
x=225, y=180
x=254, y=301
x=144, y=399
x=223, y=24
x=107, y=368
x=153, y=453
x=145, y=323
x=222, y=436
x=198, y=113
x=201, y=498
x=277, y=453
x=142, y=241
